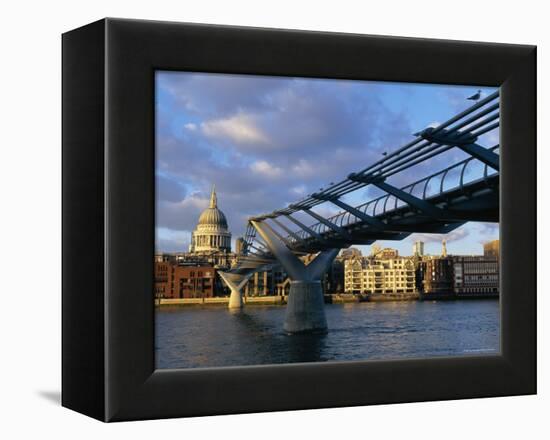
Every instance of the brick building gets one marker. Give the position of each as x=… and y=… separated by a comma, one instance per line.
x=436, y=276
x=184, y=281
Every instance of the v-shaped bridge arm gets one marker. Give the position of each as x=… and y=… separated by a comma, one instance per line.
x=295, y=267
x=235, y=281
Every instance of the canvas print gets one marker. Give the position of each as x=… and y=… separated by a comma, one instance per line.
x=323, y=220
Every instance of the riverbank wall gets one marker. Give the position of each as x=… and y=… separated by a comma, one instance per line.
x=456, y=296
x=336, y=298
x=220, y=301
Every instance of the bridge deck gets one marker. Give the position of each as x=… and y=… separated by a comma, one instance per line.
x=476, y=201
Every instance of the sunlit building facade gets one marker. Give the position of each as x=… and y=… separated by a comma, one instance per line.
x=491, y=249
x=373, y=275
x=418, y=248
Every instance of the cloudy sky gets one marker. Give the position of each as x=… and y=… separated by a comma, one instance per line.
x=269, y=141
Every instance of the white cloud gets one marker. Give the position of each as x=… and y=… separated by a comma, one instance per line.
x=181, y=215
x=303, y=168
x=457, y=234
x=240, y=128
x=168, y=240
x=299, y=190
x=190, y=126
x=266, y=169
x=194, y=201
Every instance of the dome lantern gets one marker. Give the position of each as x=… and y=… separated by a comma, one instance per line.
x=213, y=198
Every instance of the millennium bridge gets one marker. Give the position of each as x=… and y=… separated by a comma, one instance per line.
x=304, y=242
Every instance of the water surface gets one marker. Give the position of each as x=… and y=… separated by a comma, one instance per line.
x=190, y=337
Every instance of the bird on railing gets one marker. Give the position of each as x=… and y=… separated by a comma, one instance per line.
x=475, y=97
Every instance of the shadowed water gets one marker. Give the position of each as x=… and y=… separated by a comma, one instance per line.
x=190, y=337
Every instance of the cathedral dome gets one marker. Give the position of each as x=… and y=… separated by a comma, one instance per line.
x=213, y=216
x=212, y=233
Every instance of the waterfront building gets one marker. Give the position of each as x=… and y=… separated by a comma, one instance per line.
x=491, y=249
x=270, y=281
x=220, y=260
x=436, y=276
x=374, y=249
x=394, y=275
x=163, y=274
x=349, y=253
x=418, y=248
x=335, y=280
x=160, y=257
x=385, y=254
x=476, y=275
x=375, y=275
x=336, y=276
x=184, y=281
x=354, y=274
x=260, y=284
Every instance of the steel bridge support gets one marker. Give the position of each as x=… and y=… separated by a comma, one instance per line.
x=420, y=204
x=466, y=141
x=482, y=154
x=373, y=222
x=305, y=310
x=235, y=282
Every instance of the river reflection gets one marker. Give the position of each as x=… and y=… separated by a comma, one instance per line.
x=193, y=337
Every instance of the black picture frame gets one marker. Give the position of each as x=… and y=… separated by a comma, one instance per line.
x=108, y=219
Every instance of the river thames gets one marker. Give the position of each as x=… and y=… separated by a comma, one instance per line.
x=192, y=337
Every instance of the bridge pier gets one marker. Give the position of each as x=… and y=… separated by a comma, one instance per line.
x=305, y=309
x=235, y=282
